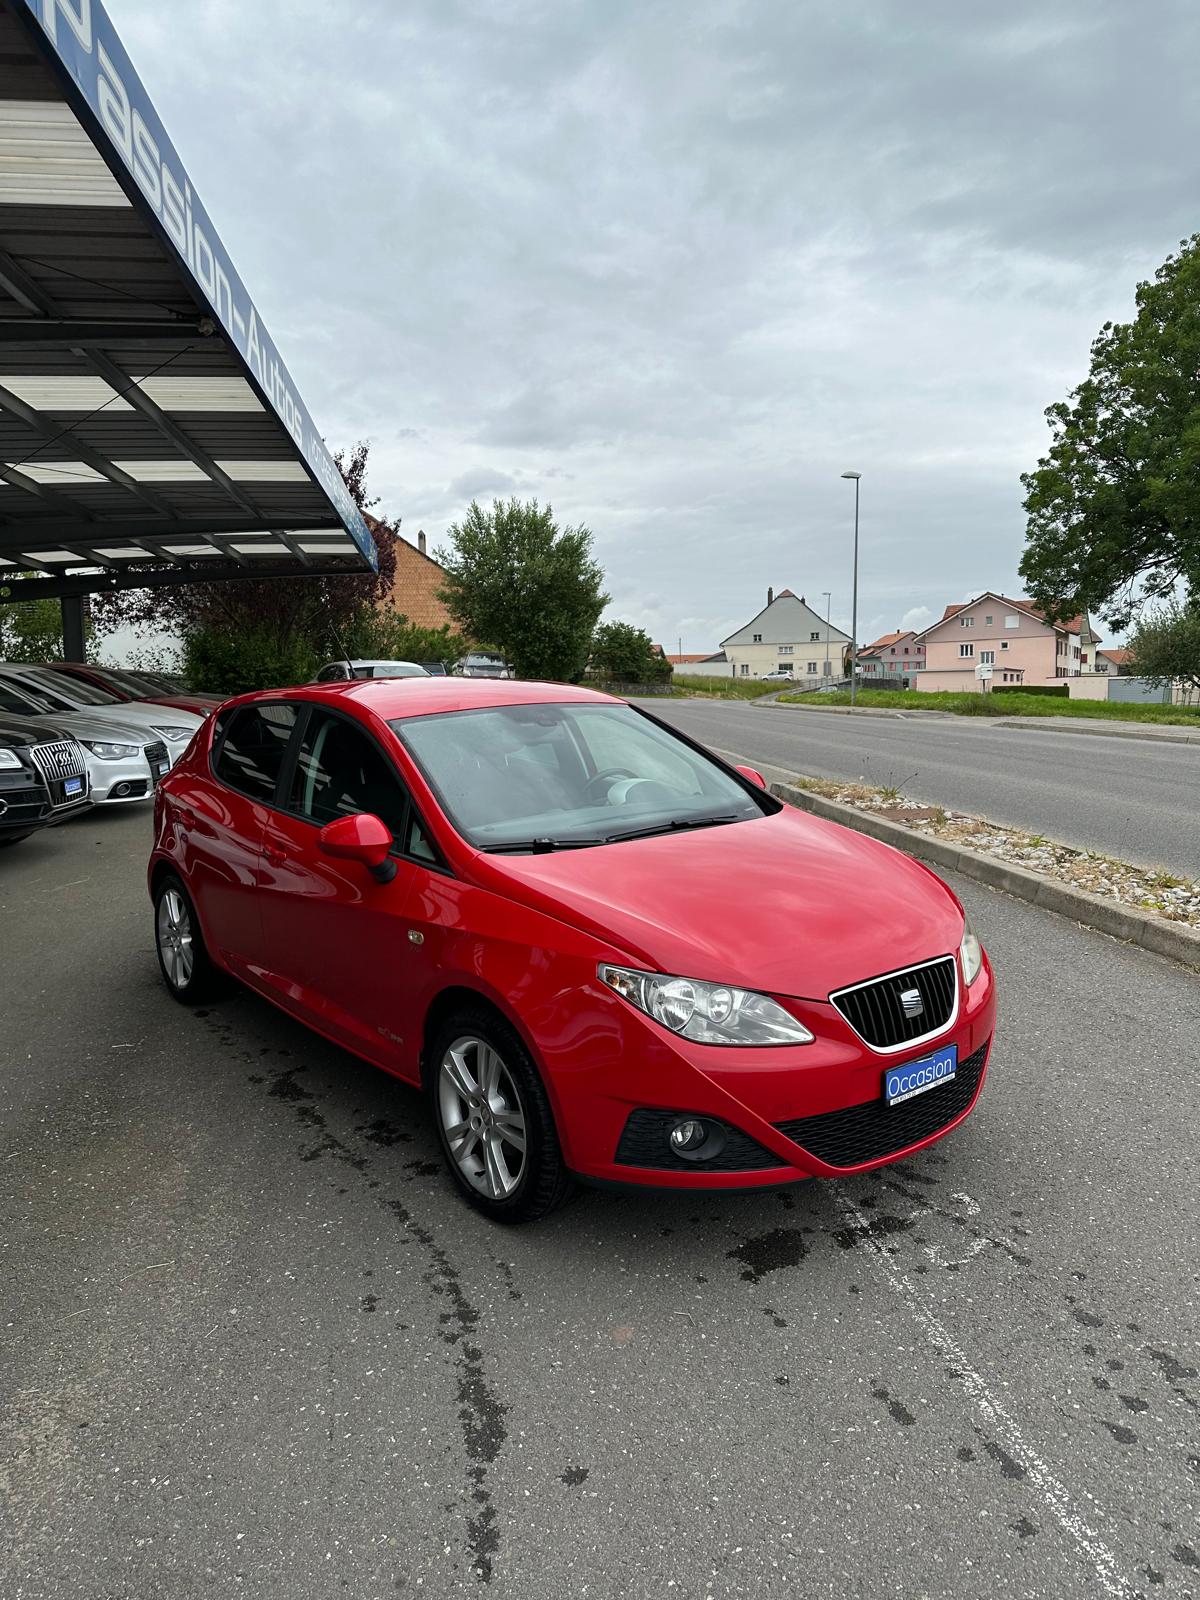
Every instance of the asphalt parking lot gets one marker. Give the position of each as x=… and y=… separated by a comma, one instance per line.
x=253, y=1343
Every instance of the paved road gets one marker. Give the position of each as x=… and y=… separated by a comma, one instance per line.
x=253, y=1344
x=1134, y=799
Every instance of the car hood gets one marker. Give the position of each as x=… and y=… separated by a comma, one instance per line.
x=789, y=903
x=18, y=732
x=198, y=705
x=83, y=725
x=137, y=716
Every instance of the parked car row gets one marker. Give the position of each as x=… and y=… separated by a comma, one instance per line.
x=74, y=736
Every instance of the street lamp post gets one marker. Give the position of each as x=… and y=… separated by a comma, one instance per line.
x=854, y=603
x=828, y=598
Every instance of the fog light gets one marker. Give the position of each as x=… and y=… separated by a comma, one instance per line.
x=687, y=1136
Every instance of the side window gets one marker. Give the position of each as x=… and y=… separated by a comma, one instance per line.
x=252, y=751
x=340, y=771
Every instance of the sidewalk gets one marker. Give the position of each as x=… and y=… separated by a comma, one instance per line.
x=1165, y=733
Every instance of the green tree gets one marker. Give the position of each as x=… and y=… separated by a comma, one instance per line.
x=622, y=653
x=31, y=630
x=1166, y=644
x=531, y=589
x=379, y=635
x=1114, y=507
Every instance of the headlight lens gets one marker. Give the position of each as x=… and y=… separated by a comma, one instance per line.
x=174, y=734
x=971, y=952
x=109, y=752
x=709, y=1013
x=9, y=759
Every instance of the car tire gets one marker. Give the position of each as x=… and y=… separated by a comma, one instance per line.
x=15, y=838
x=185, y=964
x=486, y=1095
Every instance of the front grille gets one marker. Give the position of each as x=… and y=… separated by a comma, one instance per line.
x=63, y=760
x=56, y=763
x=155, y=753
x=644, y=1143
x=876, y=1130
x=877, y=1015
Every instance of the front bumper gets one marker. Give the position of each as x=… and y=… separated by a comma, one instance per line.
x=789, y=1112
x=128, y=780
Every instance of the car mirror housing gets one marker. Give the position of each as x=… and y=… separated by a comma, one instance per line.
x=361, y=837
x=754, y=775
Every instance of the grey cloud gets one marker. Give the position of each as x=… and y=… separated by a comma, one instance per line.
x=700, y=260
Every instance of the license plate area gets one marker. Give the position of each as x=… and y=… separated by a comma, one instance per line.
x=919, y=1077
x=72, y=788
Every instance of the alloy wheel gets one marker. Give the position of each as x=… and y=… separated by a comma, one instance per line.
x=173, y=925
x=483, y=1119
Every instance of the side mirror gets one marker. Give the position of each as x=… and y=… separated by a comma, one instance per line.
x=362, y=838
x=754, y=775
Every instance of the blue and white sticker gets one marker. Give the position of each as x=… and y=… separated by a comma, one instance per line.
x=918, y=1077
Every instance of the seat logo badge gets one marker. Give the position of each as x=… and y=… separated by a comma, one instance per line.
x=911, y=1002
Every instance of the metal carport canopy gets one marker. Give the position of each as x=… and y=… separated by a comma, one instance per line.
x=147, y=419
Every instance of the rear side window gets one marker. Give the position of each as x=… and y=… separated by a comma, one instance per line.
x=252, y=751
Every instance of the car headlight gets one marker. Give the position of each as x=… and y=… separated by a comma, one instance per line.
x=971, y=952
x=709, y=1013
x=174, y=734
x=9, y=759
x=109, y=752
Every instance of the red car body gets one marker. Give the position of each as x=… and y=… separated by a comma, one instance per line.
x=113, y=684
x=786, y=904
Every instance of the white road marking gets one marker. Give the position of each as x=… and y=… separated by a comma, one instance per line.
x=1052, y=1493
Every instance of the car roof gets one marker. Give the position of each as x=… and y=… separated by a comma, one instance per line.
x=390, y=698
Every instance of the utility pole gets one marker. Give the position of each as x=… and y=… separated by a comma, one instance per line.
x=854, y=603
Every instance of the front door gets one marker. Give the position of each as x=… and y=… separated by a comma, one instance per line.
x=335, y=939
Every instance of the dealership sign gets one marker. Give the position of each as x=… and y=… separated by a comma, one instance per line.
x=129, y=135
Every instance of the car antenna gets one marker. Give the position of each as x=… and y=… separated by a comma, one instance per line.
x=342, y=651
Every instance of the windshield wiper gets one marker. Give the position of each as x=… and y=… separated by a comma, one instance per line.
x=540, y=847
x=675, y=825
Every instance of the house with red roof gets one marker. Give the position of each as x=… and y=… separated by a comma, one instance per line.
x=1011, y=637
x=893, y=661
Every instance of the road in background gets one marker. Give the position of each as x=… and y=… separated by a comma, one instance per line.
x=1135, y=799
x=253, y=1343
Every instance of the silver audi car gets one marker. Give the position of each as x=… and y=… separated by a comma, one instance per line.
x=123, y=765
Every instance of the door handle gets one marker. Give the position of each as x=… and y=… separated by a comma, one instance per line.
x=275, y=856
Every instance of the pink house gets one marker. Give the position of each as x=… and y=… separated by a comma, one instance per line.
x=1010, y=636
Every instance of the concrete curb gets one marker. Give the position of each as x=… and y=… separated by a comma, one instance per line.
x=1108, y=730
x=1170, y=939
x=1163, y=733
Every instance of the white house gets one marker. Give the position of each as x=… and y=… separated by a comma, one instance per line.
x=787, y=635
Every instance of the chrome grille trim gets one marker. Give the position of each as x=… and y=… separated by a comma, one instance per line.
x=869, y=984
x=63, y=759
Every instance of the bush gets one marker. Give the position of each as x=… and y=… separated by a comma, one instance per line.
x=389, y=636
x=218, y=660
x=1059, y=689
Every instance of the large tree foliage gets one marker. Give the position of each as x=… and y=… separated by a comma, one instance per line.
x=622, y=653
x=1166, y=645
x=527, y=587
x=1114, y=507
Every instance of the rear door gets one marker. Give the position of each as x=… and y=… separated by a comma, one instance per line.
x=336, y=940
x=222, y=825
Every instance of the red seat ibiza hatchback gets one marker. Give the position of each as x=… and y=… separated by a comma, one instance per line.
x=599, y=950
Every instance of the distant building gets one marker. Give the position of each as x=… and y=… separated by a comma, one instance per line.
x=893, y=661
x=1012, y=637
x=1118, y=663
x=414, y=589
x=786, y=636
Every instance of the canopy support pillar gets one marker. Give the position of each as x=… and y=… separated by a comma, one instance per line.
x=72, y=626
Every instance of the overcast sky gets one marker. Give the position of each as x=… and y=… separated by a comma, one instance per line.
x=674, y=267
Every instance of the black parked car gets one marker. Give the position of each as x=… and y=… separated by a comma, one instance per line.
x=43, y=777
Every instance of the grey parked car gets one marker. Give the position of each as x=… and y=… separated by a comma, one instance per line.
x=123, y=765
x=63, y=694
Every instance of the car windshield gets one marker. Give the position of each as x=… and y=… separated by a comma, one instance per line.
x=391, y=669
x=64, y=691
x=130, y=682
x=560, y=776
